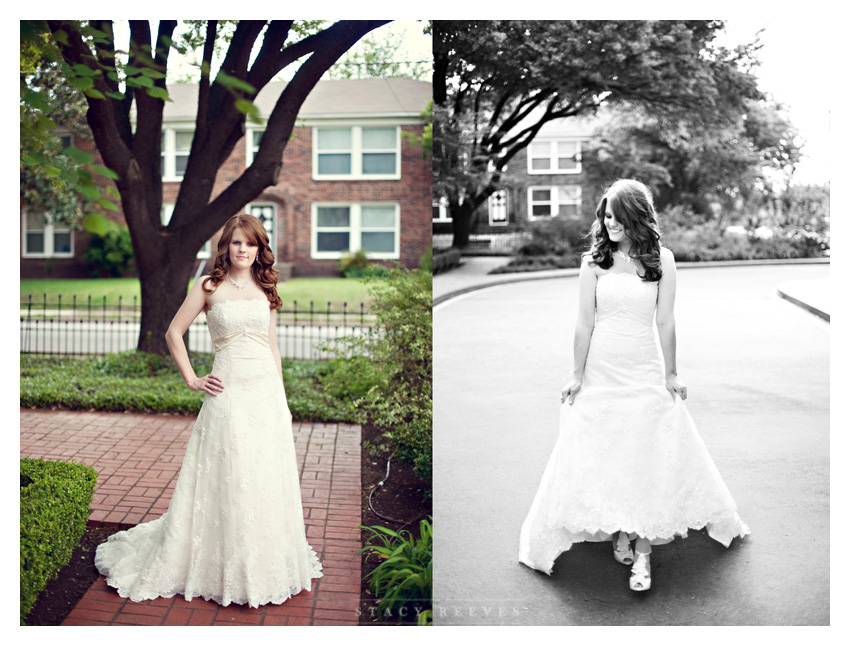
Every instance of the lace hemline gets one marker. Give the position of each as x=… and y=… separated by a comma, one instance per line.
x=315, y=573
x=544, y=553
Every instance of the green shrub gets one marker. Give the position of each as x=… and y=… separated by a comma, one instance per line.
x=54, y=511
x=402, y=581
x=111, y=253
x=399, y=366
x=357, y=265
x=426, y=262
x=136, y=381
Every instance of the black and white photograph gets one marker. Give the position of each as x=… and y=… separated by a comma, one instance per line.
x=631, y=323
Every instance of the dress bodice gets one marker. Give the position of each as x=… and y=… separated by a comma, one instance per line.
x=626, y=298
x=230, y=320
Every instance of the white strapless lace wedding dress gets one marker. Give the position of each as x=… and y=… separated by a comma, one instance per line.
x=234, y=530
x=628, y=457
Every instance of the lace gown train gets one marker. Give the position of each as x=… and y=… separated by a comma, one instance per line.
x=628, y=457
x=234, y=530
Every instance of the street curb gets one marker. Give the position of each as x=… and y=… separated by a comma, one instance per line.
x=809, y=308
x=566, y=273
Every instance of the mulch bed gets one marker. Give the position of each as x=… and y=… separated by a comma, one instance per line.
x=60, y=596
x=401, y=503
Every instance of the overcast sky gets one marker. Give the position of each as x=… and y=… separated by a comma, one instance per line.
x=796, y=69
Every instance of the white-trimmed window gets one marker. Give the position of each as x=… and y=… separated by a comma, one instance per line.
x=551, y=201
x=43, y=238
x=176, y=145
x=345, y=227
x=554, y=156
x=356, y=152
x=165, y=217
x=440, y=210
x=497, y=208
x=252, y=144
x=264, y=212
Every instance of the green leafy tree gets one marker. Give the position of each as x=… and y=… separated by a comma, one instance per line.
x=496, y=83
x=55, y=179
x=125, y=103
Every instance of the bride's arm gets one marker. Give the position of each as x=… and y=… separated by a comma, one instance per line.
x=665, y=321
x=584, y=327
x=188, y=312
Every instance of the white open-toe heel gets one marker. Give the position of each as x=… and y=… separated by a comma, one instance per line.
x=640, y=579
x=623, y=550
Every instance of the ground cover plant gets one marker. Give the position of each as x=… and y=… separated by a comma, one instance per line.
x=141, y=382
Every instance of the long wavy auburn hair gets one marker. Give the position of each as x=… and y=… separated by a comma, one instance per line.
x=262, y=270
x=631, y=203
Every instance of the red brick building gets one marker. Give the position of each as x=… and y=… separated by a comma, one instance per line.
x=350, y=180
x=543, y=181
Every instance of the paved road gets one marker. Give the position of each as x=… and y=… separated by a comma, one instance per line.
x=757, y=370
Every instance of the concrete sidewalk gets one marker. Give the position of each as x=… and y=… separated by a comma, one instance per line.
x=138, y=458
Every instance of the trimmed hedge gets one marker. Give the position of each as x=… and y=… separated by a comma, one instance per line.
x=54, y=511
x=140, y=382
x=447, y=259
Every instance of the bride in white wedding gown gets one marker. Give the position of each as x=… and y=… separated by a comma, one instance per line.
x=629, y=463
x=234, y=529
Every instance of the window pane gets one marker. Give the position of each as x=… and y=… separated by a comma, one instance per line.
x=35, y=242
x=183, y=140
x=332, y=216
x=379, y=139
x=66, y=141
x=566, y=148
x=334, y=139
x=62, y=242
x=568, y=209
x=567, y=194
x=435, y=212
x=540, y=194
x=373, y=217
x=258, y=137
x=180, y=163
x=567, y=163
x=35, y=221
x=541, y=209
x=264, y=214
x=378, y=163
x=332, y=241
x=334, y=164
x=540, y=148
x=378, y=242
x=540, y=164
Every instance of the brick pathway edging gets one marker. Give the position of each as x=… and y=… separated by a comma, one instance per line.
x=138, y=457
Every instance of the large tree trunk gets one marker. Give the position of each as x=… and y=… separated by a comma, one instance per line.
x=162, y=294
x=165, y=256
x=461, y=225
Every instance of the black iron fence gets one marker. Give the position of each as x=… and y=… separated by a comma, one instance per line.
x=72, y=326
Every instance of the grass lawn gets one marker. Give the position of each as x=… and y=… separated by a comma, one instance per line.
x=303, y=290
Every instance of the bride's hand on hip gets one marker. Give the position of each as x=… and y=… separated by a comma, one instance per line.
x=569, y=392
x=674, y=386
x=209, y=384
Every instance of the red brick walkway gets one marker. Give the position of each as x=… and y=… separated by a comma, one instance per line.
x=138, y=457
